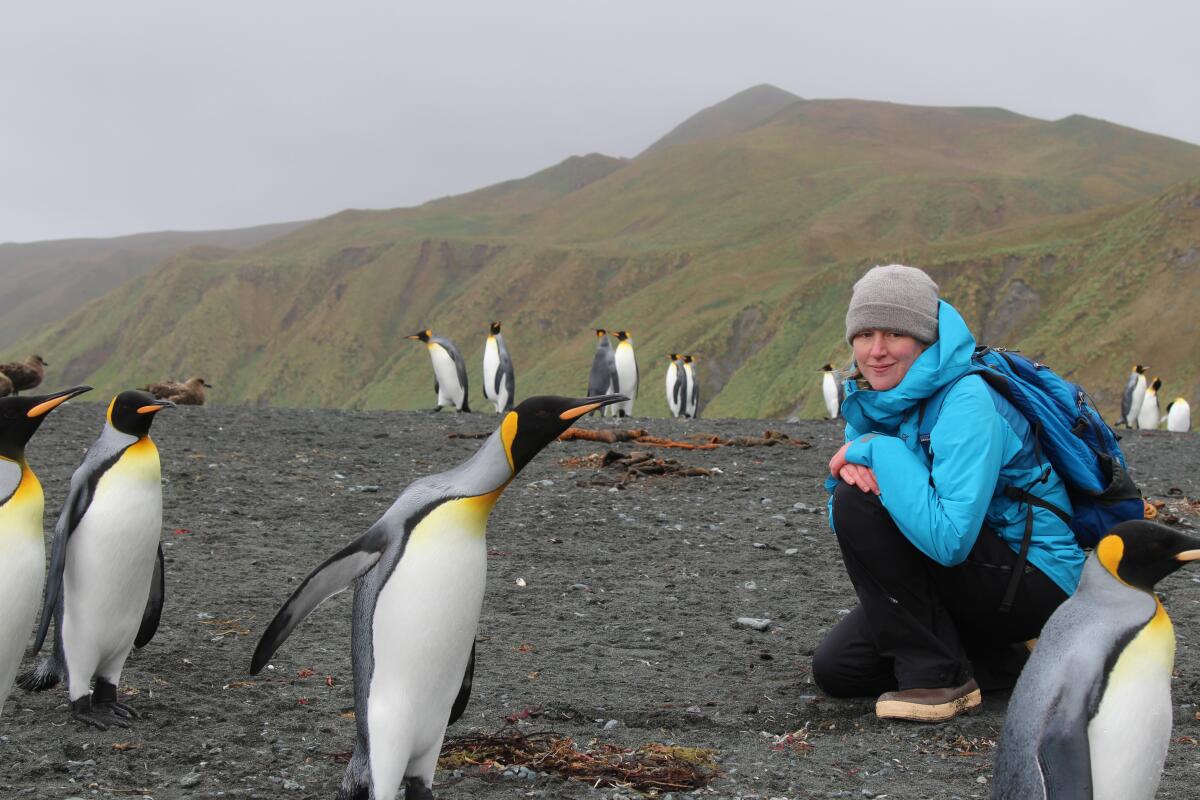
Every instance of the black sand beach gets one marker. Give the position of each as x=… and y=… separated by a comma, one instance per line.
x=609, y=616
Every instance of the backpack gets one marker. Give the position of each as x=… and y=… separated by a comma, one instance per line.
x=1069, y=435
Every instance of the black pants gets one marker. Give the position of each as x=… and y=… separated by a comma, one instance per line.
x=920, y=624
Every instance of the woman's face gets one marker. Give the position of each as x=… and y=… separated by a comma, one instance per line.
x=884, y=357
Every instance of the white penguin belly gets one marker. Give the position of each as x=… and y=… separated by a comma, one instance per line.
x=449, y=392
x=626, y=375
x=1148, y=416
x=24, y=560
x=672, y=405
x=829, y=388
x=1131, y=731
x=109, y=566
x=423, y=628
x=491, y=364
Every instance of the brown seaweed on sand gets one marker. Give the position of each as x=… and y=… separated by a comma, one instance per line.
x=649, y=769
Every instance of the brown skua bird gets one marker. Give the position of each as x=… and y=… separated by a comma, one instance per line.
x=26, y=374
x=189, y=393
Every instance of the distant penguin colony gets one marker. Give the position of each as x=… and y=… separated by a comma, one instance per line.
x=1149, y=415
x=499, y=384
x=419, y=576
x=104, y=590
x=22, y=552
x=676, y=385
x=603, y=378
x=626, y=366
x=832, y=390
x=1131, y=398
x=1179, y=416
x=449, y=371
x=691, y=388
x=1091, y=713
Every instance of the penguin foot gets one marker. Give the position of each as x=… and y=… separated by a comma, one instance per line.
x=415, y=789
x=104, y=699
x=82, y=711
x=434, y=410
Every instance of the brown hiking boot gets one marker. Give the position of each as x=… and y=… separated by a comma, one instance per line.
x=928, y=705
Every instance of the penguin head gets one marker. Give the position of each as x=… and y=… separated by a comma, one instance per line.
x=1142, y=553
x=688, y=360
x=20, y=417
x=495, y=328
x=601, y=332
x=1140, y=369
x=1156, y=385
x=673, y=356
x=827, y=368
x=132, y=412
x=424, y=335
x=622, y=336
x=538, y=421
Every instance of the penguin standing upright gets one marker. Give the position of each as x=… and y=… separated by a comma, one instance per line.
x=603, y=377
x=833, y=390
x=625, y=363
x=1149, y=415
x=1131, y=398
x=105, y=587
x=449, y=371
x=1090, y=716
x=419, y=577
x=499, y=384
x=1179, y=416
x=22, y=552
x=692, y=388
x=676, y=383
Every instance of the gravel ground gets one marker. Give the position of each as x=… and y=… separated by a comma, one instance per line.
x=610, y=613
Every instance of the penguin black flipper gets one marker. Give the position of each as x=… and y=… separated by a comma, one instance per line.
x=464, y=694
x=1064, y=754
x=154, y=603
x=333, y=576
x=96, y=462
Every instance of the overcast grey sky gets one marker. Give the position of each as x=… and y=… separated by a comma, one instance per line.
x=120, y=116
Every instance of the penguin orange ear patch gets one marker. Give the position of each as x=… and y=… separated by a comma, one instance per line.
x=508, y=432
x=1109, y=551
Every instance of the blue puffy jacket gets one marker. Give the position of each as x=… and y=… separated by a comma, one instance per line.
x=981, y=445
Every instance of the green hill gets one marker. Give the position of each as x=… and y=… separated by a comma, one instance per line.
x=1073, y=240
x=42, y=281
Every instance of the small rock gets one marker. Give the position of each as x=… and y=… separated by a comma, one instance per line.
x=191, y=779
x=753, y=623
x=291, y=786
x=612, y=723
x=791, y=551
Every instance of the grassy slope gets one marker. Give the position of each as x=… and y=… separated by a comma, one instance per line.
x=43, y=281
x=738, y=247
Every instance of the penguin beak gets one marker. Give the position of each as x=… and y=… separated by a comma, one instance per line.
x=1188, y=555
x=588, y=404
x=156, y=406
x=55, y=400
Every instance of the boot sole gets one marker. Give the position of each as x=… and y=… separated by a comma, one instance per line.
x=921, y=712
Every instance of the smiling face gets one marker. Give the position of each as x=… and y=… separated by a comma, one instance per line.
x=884, y=357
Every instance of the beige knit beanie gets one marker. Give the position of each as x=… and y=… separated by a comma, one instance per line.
x=894, y=298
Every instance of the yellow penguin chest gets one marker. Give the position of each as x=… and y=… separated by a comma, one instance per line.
x=21, y=516
x=452, y=522
x=1131, y=730
x=138, y=464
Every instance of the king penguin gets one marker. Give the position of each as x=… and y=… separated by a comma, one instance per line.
x=1090, y=716
x=22, y=552
x=1149, y=415
x=449, y=371
x=603, y=377
x=833, y=390
x=105, y=584
x=1179, y=416
x=499, y=384
x=676, y=382
x=1131, y=398
x=419, y=577
x=691, y=388
x=627, y=373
